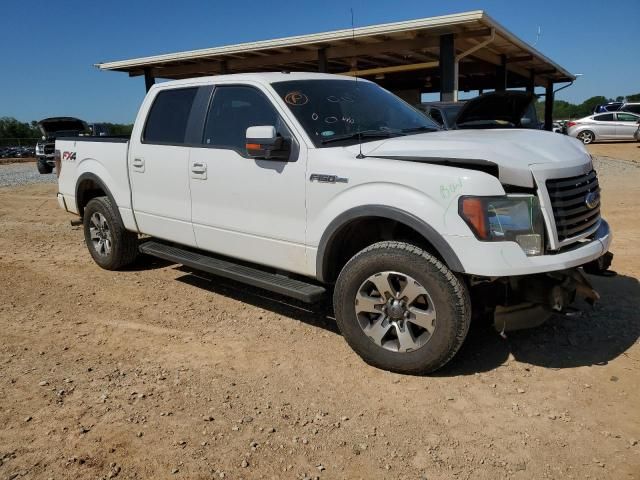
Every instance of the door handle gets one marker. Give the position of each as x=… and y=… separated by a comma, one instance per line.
x=199, y=170
x=198, y=167
x=138, y=164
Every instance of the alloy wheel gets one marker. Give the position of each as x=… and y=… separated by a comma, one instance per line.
x=100, y=234
x=395, y=311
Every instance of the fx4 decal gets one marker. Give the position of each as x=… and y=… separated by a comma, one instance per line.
x=70, y=156
x=322, y=178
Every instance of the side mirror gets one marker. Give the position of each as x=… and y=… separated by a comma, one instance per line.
x=263, y=142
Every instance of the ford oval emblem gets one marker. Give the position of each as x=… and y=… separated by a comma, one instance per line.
x=592, y=199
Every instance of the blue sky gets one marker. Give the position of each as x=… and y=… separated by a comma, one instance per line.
x=48, y=49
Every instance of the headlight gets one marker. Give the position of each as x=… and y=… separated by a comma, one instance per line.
x=514, y=218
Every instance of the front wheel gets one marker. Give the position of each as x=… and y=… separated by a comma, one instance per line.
x=44, y=167
x=109, y=243
x=401, y=309
x=586, y=137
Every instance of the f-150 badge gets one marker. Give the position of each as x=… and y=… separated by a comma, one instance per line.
x=322, y=178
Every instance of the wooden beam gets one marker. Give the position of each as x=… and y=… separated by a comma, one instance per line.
x=393, y=69
x=521, y=58
x=331, y=53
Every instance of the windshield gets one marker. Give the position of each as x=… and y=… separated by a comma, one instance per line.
x=348, y=111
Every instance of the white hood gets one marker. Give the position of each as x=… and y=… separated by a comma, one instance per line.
x=513, y=151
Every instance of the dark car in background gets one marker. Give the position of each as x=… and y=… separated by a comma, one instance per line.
x=52, y=128
x=607, y=107
x=443, y=113
x=633, y=107
x=511, y=109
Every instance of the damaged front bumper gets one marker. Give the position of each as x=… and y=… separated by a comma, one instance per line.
x=528, y=301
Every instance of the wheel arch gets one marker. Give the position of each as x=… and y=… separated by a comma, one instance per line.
x=334, y=235
x=89, y=186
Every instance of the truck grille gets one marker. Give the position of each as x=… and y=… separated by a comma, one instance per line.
x=569, y=199
x=49, y=149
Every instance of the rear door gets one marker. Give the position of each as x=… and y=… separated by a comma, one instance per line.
x=159, y=167
x=626, y=125
x=604, y=126
x=243, y=207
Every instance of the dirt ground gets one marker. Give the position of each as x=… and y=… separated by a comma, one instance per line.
x=625, y=150
x=157, y=373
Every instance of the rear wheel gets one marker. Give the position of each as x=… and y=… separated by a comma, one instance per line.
x=401, y=309
x=44, y=167
x=586, y=137
x=109, y=243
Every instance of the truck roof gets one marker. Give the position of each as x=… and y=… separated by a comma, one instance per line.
x=263, y=77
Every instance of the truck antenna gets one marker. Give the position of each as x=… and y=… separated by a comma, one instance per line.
x=353, y=37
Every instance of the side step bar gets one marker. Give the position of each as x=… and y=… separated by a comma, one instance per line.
x=306, y=292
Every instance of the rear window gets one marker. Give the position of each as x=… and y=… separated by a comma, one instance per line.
x=168, y=117
x=632, y=108
x=607, y=117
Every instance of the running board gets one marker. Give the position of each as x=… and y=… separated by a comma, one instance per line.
x=307, y=292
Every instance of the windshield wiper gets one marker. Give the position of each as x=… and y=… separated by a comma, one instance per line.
x=423, y=128
x=363, y=134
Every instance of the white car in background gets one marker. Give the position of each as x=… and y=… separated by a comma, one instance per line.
x=609, y=126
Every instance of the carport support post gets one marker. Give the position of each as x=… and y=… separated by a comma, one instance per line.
x=501, y=75
x=149, y=79
x=531, y=84
x=548, y=106
x=322, y=60
x=448, y=83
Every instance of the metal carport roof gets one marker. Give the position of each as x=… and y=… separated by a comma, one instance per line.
x=398, y=55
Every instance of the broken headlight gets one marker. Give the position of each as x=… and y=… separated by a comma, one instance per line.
x=509, y=218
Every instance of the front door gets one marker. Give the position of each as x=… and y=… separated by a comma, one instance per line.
x=626, y=125
x=159, y=168
x=243, y=207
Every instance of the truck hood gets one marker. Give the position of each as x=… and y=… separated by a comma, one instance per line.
x=498, y=107
x=67, y=125
x=510, y=153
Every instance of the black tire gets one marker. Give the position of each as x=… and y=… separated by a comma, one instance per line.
x=123, y=245
x=448, y=294
x=44, y=167
x=587, y=137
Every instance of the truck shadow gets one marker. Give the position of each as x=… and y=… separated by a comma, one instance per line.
x=317, y=315
x=594, y=337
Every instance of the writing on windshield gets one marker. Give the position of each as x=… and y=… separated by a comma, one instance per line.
x=348, y=110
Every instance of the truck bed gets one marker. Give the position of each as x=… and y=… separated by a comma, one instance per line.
x=95, y=159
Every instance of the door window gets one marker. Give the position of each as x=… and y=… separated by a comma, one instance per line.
x=234, y=109
x=168, y=117
x=607, y=117
x=627, y=117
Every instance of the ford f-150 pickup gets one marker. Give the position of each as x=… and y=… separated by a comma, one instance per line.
x=307, y=184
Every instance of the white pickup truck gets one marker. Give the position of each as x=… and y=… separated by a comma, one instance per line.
x=304, y=183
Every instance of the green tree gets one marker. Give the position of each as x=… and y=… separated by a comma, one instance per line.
x=633, y=98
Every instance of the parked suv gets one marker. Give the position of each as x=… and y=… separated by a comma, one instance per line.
x=308, y=183
x=631, y=107
x=52, y=128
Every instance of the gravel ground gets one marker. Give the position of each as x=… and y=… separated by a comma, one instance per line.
x=16, y=174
